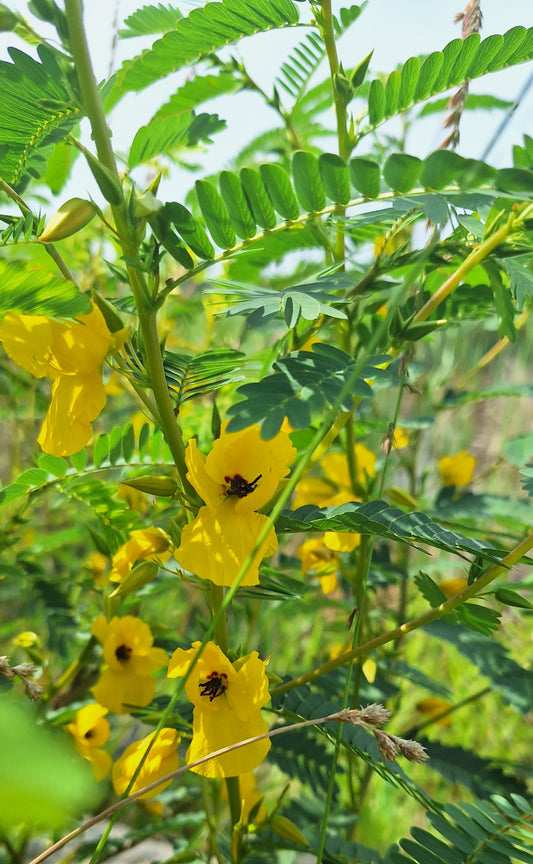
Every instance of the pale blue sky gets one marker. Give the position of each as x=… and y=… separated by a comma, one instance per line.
x=395, y=29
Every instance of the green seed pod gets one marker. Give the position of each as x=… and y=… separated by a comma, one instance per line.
x=153, y=484
x=288, y=830
x=140, y=575
x=71, y=217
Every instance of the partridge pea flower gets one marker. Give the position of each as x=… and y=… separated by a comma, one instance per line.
x=72, y=356
x=161, y=760
x=90, y=731
x=146, y=544
x=227, y=699
x=457, y=470
x=131, y=658
x=239, y=475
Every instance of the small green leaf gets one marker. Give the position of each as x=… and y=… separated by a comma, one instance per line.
x=190, y=229
x=358, y=74
x=464, y=58
x=279, y=188
x=486, y=53
x=307, y=181
x=376, y=102
x=408, y=82
x=336, y=177
x=440, y=168
x=101, y=449
x=215, y=214
x=365, y=176
x=239, y=212
x=512, y=598
x=401, y=171
x=55, y=465
x=429, y=72
x=392, y=93
x=257, y=198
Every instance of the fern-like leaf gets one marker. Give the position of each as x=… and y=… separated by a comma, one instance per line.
x=303, y=383
x=150, y=19
x=37, y=111
x=203, y=31
x=191, y=377
x=459, y=61
x=380, y=519
x=495, y=830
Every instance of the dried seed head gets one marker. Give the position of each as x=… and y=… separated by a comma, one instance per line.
x=5, y=668
x=375, y=714
x=386, y=744
x=412, y=750
x=24, y=670
x=33, y=690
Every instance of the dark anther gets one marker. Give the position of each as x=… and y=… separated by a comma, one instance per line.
x=89, y=734
x=214, y=686
x=123, y=652
x=240, y=487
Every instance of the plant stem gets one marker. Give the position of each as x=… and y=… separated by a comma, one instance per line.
x=94, y=109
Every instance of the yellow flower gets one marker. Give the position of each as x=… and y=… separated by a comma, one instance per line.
x=317, y=557
x=457, y=470
x=239, y=475
x=452, y=586
x=401, y=438
x=27, y=639
x=227, y=699
x=90, y=731
x=335, y=466
x=161, y=760
x=432, y=707
x=72, y=356
x=131, y=658
x=146, y=544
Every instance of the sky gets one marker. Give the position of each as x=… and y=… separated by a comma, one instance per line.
x=394, y=29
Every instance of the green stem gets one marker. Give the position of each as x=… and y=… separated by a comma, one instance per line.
x=221, y=628
x=234, y=798
x=94, y=109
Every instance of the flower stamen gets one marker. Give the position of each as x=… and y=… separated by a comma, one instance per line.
x=240, y=487
x=123, y=653
x=215, y=685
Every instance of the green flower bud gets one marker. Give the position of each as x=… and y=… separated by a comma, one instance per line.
x=153, y=484
x=71, y=217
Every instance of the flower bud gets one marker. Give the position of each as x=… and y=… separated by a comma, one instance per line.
x=153, y=484
x=140, y=575
x=288, y=830
x=71, y=217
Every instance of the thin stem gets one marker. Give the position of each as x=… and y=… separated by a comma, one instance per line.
x=431, y=615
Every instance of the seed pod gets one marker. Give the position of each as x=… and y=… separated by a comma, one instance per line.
x=153, y=484
x=71, y=217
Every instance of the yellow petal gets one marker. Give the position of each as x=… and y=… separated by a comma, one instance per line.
x=214, y=731
x=217, y=543
x=457, y=470
x=122, y=692
x=341, y=541
x=161, y=760
x=27, y=339
x=76, y=401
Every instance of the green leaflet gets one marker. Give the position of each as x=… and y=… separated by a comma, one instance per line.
x=150, y=19
x=166, y=134
x=281, y=193
x=37, y=112
x=203, y=31
x=30, y=290
x=257, y=198
x=308, y=182
x=215, y=214
x=335, y=177
x=459, y=61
